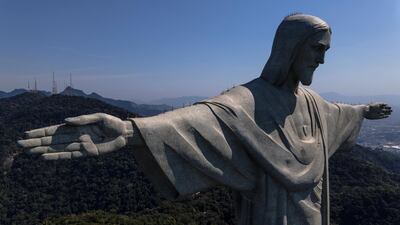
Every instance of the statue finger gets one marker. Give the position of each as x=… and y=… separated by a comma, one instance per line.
x=84, y=119
x=63, y=155
x=28, y=143
x=56, y=156
x=37, y=133
x=88, y=145
x=387, y=110
x=55, y=148
x=78, y=154
x=41, y=132
x=388, y=113
x=48, y=131
x=49, y=140
x=382, y=105
x=110, y=146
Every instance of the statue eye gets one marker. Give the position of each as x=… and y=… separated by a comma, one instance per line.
x=320, y=47
x=316, y=48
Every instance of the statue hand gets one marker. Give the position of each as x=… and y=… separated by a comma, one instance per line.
x=86, y=135
x=377, y=111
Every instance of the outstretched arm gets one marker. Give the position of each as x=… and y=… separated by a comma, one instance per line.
x=87, y=135
x=344, y=122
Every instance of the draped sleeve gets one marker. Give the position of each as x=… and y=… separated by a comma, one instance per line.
x=189, y=150
x=342, y=123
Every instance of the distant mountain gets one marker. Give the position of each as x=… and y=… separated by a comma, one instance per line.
x=142, y=109
x=20, y=91
x=69, y=91
x=179, y=101
x=16, y=92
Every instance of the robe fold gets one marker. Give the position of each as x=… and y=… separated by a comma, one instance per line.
x=246, y=139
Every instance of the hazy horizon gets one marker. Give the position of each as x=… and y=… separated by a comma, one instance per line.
x=330, y=96
x=149, y=50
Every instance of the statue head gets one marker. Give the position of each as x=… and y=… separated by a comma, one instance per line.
x=299, y=47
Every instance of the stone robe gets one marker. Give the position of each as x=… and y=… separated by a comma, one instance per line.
x=245, y=139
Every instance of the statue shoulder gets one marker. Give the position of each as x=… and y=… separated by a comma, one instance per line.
x=235, y=97
x=314, y=94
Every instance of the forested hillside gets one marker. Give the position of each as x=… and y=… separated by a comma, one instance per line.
x=110, y=190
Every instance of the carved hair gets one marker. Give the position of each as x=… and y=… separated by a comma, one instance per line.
x=291, y=34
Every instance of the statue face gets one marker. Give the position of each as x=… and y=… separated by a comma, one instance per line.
x=310, y=55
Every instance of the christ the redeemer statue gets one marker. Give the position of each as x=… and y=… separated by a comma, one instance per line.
x=269, y=140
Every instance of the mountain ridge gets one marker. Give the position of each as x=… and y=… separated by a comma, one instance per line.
x=330, y=96
x=142, y=109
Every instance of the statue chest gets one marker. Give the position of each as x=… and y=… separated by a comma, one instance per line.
x=293, y=122
x=302, y=119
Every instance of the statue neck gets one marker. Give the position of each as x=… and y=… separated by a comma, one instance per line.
x=291, y=84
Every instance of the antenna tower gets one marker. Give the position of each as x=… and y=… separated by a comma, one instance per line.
x=35, y=90
x=70, y=80
x=54, y=92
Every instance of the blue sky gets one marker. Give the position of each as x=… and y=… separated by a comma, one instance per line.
x=157, y=48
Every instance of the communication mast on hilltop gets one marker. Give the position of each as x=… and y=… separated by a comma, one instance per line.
x=70, y=80
x=35, y=89
x=54, y=91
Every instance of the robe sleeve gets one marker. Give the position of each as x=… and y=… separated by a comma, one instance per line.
x=343, y=125
x=190, y=150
